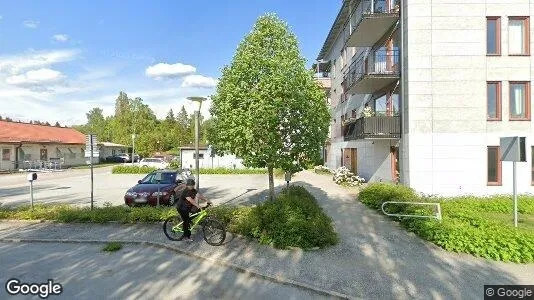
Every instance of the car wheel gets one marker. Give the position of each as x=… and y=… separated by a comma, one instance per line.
x=172, y=199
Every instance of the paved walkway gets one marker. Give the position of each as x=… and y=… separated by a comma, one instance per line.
x=374, y=259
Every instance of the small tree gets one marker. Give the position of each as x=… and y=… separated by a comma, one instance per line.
x=268, y=109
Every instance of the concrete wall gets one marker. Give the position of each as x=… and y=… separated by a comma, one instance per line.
x=445, y=149
x=228, y=161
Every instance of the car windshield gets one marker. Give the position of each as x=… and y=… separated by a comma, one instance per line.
x=167, y=178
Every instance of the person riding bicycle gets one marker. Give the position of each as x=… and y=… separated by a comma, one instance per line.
x=187, y=203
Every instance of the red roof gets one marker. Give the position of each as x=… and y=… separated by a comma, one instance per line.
x=11, y=132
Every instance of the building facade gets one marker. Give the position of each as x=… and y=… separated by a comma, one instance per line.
x=107, y=149
x=422, y=91
x=29, y=146
x=206, y=160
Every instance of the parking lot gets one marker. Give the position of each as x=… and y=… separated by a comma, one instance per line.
x=74, y=187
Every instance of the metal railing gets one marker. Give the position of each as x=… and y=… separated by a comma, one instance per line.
x=437, y=215
x=40, y=165
x=366, y=8
x=377, y=127
x=379, y=62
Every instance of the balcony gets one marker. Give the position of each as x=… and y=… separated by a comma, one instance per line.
x=370, y=21
x=324, y=80
x=373, y=72
x=373, y=128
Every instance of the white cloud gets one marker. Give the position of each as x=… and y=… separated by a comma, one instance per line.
x=31, y=24
x=36, y=78
x=162, y=70
x=35, y=59
x=60, y=38
x=199, y=81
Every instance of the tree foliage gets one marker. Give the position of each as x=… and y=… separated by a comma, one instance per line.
x=134, y=116
x=268, y=109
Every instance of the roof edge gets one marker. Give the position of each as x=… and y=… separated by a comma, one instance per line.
x=331, y=34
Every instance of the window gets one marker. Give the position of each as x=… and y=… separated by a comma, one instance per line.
x=518, y=36
x=494, y=166
x=494, y=101
x=6, y=154
x=493, y=36
x=200, y=155
x=520, y=101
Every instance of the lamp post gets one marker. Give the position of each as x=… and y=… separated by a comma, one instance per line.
x=133, y=148
x=198, y=105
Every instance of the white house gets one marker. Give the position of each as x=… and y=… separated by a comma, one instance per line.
x=107, y=149
x=28, y=146
x=442, y=85
x=206, y=160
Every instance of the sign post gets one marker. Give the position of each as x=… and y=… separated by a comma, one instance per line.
x=514, y=150
x=90, y=145
x=31, y=177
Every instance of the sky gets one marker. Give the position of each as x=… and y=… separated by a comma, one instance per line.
x=59, y=59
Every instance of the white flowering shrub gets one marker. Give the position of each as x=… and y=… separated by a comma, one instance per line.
x=322, y=169
x=344, y=175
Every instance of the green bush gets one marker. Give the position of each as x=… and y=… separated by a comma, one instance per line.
x=174, y=165
x=481, y=226
x=227, y=171
x=132, y=170
x=112, y=247
x=294, y=219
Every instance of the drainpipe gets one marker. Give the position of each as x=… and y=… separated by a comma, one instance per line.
x=402, y=73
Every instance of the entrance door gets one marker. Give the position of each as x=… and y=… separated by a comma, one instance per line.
x=350, y=159
x=354, y=161
x=44, y=154
x=395, y=167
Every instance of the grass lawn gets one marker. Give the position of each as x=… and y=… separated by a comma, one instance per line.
x=101, y=165
x=524, y=221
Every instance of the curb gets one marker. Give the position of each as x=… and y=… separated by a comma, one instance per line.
x=249, y=272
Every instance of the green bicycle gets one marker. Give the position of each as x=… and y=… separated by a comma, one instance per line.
x=213, y=230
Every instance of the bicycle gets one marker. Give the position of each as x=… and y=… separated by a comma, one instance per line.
x=211, y=227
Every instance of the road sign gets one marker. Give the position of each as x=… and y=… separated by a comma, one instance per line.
x=514, y=149
x=90, y=140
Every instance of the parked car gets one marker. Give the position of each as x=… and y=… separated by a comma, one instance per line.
x=118, y=158
x=146, y=191
x=154, y=162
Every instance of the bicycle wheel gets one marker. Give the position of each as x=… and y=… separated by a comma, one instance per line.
x=172, y=227
x=214, y=232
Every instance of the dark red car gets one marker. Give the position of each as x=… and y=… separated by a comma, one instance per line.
x=146, y=191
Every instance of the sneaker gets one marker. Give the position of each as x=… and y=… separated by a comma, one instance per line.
x=189, y=239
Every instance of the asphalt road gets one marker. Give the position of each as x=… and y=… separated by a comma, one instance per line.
x=74, y=187
x=134, y=272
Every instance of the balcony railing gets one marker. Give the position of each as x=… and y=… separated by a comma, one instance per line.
x=368, y=8
x=379, y=63
x=378, y=127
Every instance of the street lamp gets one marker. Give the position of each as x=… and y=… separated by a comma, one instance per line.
x=197, y=101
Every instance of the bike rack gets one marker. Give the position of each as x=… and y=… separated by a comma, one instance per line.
x=437, y=216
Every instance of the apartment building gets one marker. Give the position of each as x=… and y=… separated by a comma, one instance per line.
x=422, y=91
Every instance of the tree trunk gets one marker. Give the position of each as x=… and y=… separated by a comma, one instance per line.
x=271, y=182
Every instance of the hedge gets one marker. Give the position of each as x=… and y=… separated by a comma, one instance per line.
x=132, y=170
x=481, y=226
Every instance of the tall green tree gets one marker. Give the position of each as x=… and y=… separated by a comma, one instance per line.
x=96, y=124
x=268, y=109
